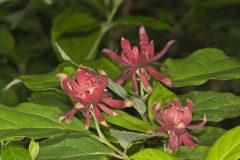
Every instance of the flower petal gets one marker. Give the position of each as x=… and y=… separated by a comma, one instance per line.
x=114, y=103
x=190, y=105
x=126, y=75
x=158, y=76
x=173, y=142
x=107, y=110
x=87, y=120
x=99, y=116
x=134, y=84
x=156, y=114
x=113, y=56
x=163, y=51
x=125, y=44
x=69, y=115
x=144, y=80
x=143, y=35
x=200, y=125
x=187, y=141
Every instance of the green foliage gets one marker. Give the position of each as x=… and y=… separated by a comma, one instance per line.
x=127, y=121
x=217, y=106
x=39, y=39
x=149, y=154
x=202, y=65
x=198, y=153
x=226, y=147
x=35, y=121
x=73, y=146
x=13, y=152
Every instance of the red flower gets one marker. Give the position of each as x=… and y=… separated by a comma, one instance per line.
x=139, y=61
x=174, y=120
x=86, y=89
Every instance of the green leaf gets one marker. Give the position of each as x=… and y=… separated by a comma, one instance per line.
x=208, y=135
x=137, y=103
x=202, y=65
x=126, y=139
x=217, y=106
x=51, y=99
x=34, y=121
x=43, y=81
x=7, y=42
x=33, y=149
x=49, y=81
x=143, y=20
x=160, y=94
x=14, y=153
x=76, y=33
x=127, y=121
x=227, y=147
x=73, y=146
x=150, y=154
x=197, y=153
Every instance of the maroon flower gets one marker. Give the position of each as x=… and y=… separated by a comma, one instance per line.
x=138, y=61
x=174, y=120
x=86, y=89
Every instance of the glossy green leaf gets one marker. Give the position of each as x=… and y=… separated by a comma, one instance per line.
x=73, y=146
x=227, y=147
x=197, y=153
x=126, y=139
x=150, y=154
x=34, y=121
x=143, y=20
x=160, y=94
x=202, y=65
x=33, y=149
x=217, y=106
x=127, y=121
x=76, y=33
x=14, y=153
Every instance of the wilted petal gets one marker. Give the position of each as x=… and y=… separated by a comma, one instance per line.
x=144, y=81
x=200, y=125
x=163, y=51
x=107, y=110
x=158, y=76
x=113, y=102
x=187, y=141
x=134, y=84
